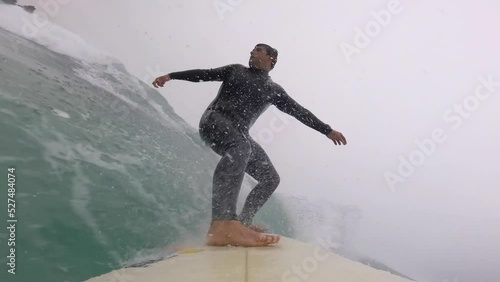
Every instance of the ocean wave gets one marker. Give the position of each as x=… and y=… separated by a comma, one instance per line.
x=48, y=34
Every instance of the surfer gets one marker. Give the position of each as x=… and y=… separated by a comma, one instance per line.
x=244, y=95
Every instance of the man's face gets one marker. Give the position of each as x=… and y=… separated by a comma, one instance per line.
x=259, y=58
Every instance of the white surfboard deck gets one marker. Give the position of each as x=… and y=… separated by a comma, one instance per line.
x=288, y=261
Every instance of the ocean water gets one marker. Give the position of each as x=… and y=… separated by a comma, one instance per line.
x=106, y=174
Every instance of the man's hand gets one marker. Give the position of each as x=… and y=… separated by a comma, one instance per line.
x=160, y=81
x=337, y=137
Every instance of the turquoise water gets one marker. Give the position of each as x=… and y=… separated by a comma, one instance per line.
x=106, y=173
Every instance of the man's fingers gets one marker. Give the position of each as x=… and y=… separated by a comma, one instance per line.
x=155, y=83
x=339, y=140
x=158, y=82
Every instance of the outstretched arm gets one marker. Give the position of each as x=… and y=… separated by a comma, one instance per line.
x=287, y=105
x=196, y=75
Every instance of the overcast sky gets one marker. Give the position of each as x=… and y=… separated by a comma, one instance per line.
x=416, y=95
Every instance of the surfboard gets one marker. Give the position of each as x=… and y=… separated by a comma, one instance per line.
x=288, y=261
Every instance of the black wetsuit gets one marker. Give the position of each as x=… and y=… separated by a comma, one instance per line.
x=243, y=96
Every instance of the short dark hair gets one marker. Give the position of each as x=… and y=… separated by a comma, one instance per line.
x=271, y=52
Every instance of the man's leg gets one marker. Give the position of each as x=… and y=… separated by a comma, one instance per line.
x=228, y=177
x=261, y=169
x=235, y=149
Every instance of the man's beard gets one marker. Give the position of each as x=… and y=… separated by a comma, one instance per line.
x=253, y=62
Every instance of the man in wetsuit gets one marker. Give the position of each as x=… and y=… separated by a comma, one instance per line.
x=244, y=95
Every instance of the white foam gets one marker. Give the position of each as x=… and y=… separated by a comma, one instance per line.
x=93, y=75
x=321, y=222
x=80, y=200
x=50, y=35
x=60, y=113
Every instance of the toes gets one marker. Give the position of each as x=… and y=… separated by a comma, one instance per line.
x=273, y=239
x=262, y=238
x=269, y=239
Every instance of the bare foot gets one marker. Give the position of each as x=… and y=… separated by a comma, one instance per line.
x=258, y=228
x=233, y=232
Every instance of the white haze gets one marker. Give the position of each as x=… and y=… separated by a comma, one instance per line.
x=443, y=222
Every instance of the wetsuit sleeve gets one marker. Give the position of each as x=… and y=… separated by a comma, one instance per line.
x=197, y=75
x=287, y=105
